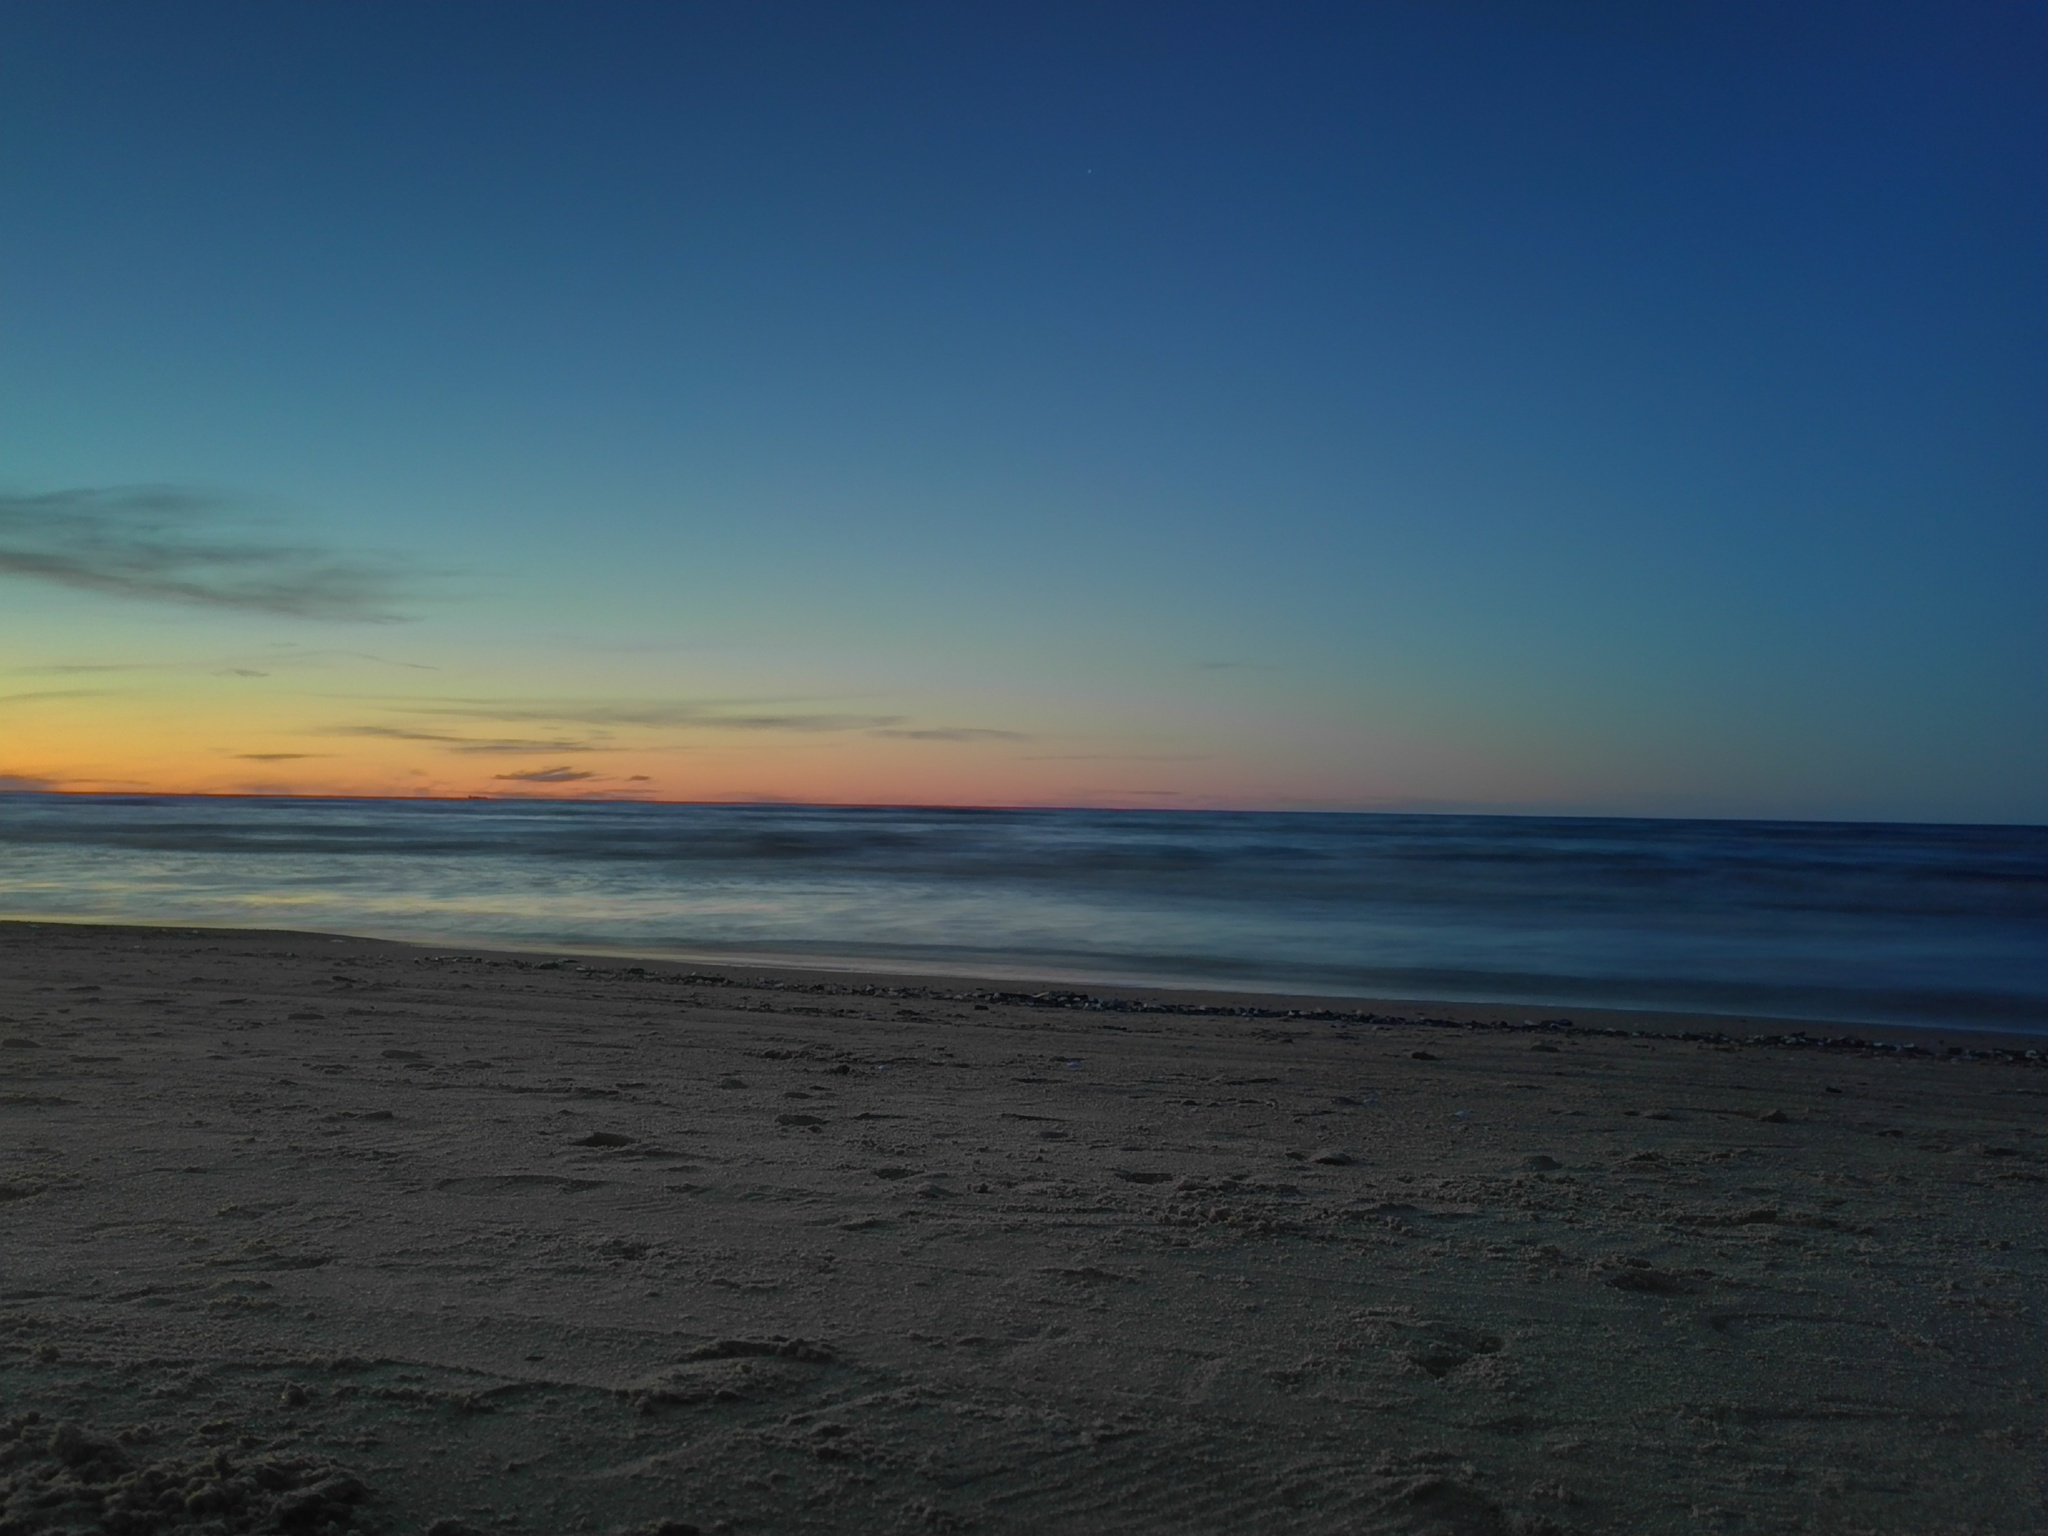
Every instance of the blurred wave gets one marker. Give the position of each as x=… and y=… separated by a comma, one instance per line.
x=1877, y=922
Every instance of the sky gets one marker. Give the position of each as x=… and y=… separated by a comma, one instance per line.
x=1463, y=404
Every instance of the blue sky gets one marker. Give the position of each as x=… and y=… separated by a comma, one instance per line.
x=1532, y=406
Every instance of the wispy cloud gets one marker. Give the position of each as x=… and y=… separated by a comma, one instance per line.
x=24, y=784
x=75, y=668
x=163, y=544
x=443, y=720
x=382, y=661
x=666, y=716
x=482, y=746
x=274, y=757
x=953, y=733
x=561, y=775
x=50, y=693
x=274, y=658
x=1118, y=757
x=793, y=722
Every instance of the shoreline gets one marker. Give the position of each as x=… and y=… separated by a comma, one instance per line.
x=359, y=1236
x=1887, y=924
x=1162, y=996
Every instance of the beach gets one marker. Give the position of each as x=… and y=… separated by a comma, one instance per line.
x=312, y=1233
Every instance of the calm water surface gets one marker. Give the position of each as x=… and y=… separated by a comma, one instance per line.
x=1884, y=923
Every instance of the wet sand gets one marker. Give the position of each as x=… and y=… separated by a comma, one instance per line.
x=305, y=1234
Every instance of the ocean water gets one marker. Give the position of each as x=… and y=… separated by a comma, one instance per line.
x=1927, y=925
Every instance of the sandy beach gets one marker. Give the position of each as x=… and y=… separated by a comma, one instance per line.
x=309, y=1234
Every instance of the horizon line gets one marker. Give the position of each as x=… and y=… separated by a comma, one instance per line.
x=1442, y=809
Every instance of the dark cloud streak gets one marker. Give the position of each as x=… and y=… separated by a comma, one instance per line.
x=274, y=657
x=162, y=544
x=561, y=775
x=52, y=693
x=954, y=733
x=736, y=715
x=1118, y=757
x=663, y=716
x=469, y=744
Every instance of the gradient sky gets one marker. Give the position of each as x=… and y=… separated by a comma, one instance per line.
x=1550, y=406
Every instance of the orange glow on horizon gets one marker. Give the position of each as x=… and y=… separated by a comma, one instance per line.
x=196, y=745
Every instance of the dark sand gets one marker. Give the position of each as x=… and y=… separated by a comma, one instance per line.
x=301, y=1233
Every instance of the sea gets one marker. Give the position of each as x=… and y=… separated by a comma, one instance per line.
x=1936, y=926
